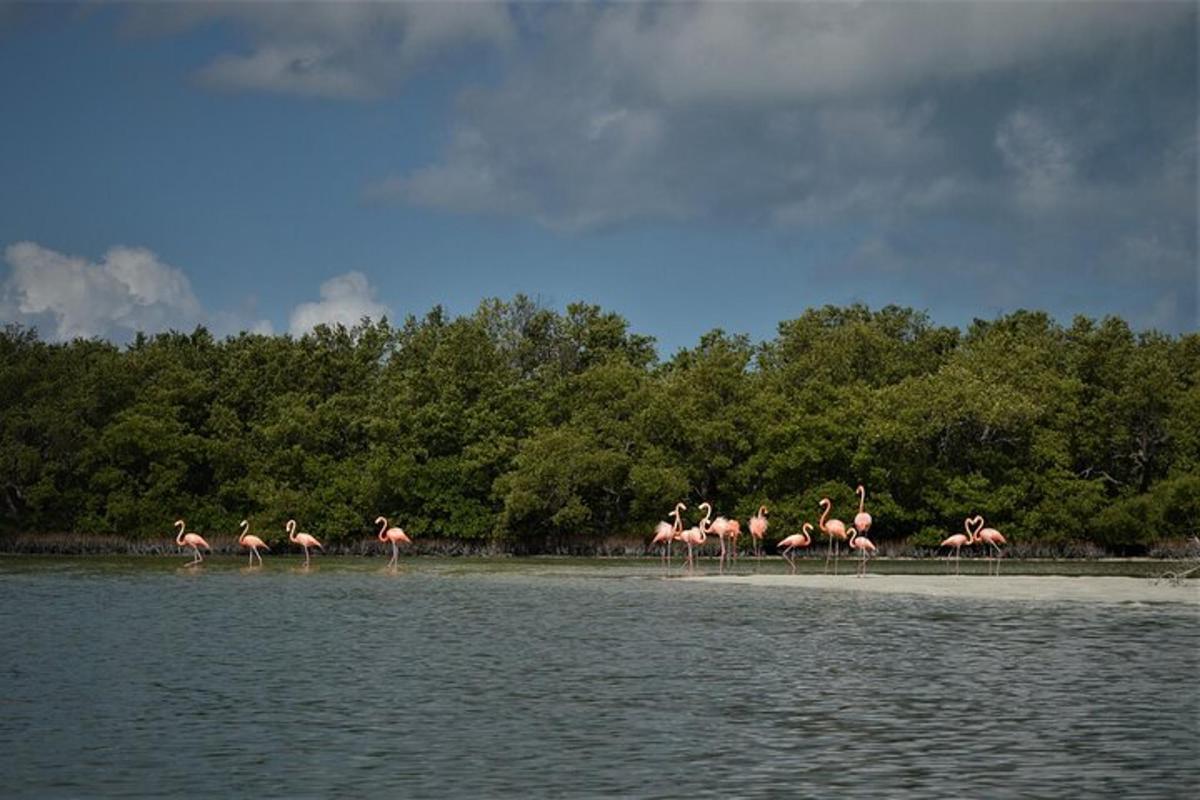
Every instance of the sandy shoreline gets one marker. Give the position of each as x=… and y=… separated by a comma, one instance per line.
x=1017, y=587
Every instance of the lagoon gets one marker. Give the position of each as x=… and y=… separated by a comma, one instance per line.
x=576, y=677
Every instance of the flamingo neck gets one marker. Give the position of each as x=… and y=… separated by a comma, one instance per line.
x=862, y=498
x=291, y=529
x=806, y=532
x=245, y=530
x=826, y=507
x=383, y=529
x=179, y=536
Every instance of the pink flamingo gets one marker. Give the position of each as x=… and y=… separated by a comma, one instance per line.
x=835, y=529
x=393, y=535
x=958, y=540
x=720, y=526
x=787, y=544
x=192, y=540
x=735, y=531
x=305, y=540
x=697, y=536
x=666, y=532
x=863, y=545
x=991, y=537
x=862, y=520
x=247, y=539
x=758, y=529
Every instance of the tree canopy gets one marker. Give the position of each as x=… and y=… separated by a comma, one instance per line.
x=524, y=427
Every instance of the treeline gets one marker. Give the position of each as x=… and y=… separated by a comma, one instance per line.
x=530, y=429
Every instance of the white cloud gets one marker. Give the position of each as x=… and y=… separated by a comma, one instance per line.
x=345, y=300
x=128, y=290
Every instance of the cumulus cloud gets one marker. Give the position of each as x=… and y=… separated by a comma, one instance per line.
x=345, y=300
x=129, y=289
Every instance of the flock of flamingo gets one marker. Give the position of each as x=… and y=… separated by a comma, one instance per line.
x=395, y=536
x=728, y=530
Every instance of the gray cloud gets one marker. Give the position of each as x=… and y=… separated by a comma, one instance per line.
x=1056, y=131
x=343, y=50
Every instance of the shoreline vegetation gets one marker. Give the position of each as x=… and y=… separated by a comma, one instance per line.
x=517, y=429
x=628, y=548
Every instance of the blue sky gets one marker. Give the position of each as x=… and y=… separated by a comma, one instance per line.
x=271, y=166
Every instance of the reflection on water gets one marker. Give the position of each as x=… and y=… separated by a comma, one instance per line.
x=447, y=678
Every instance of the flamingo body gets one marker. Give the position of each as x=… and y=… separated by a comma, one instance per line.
x=787, y=544
x=835, y=529
x=247, y=539
x=305, y=540
x=192, y=540
x=758, y=528
x=396, y=536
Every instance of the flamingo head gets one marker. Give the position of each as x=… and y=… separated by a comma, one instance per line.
x=178, y=524
x=290, y=525
x=244, y=523
x=763, y=511
x=826, y=502
x=381, y=520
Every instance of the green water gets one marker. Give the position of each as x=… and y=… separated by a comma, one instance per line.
x=561, y=677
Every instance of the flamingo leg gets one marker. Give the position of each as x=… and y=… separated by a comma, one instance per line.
x=828, y=553
x=837, y=552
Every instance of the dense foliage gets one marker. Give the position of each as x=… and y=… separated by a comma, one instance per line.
x=529, y=428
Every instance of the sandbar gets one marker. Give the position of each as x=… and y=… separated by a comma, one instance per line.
x=1017, y=587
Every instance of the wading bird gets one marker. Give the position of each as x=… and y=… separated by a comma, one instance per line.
x=733, y=534
x=862, y=520
x=758, y=529
x=958, y=540
x=863, y=545
x=192, y=540
x=835, y=529
x=666, y=532
x=991, y=537
x=393, y=535
x=787, y=544
x=696, y=536
x=247, y=539
x=720, y=526
x=305, y=540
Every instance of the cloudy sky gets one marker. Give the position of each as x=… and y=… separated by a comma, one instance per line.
x=269, y=166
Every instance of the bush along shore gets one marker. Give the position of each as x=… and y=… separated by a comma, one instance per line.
x=520, y=429
x=77, y=544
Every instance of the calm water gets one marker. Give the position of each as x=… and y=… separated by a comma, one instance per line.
x=459, y=678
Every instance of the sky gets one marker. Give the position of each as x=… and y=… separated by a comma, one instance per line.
x=273, y=166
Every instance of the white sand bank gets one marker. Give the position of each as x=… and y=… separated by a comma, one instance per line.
x=1017, y=587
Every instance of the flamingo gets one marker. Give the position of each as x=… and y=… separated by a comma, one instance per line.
x=305, y=540
x=665, y=532
x=863, y=545
x=192, y=540
x=386, y=534
x=862, y=520
x=959, y=539
x=735, y=531
x=991, y=536
x=697, y=536
x=758, y=529
x=789, y=543
x=835, y=529
x=720, y=526
x=247, y=539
